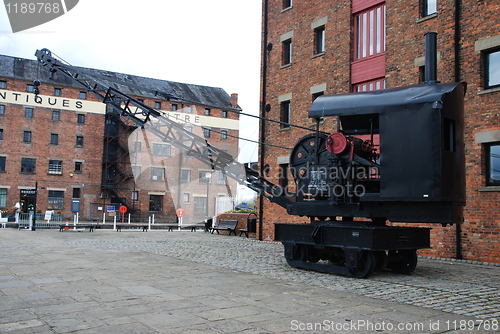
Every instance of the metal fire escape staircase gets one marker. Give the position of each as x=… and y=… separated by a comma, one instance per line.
x=117, y=173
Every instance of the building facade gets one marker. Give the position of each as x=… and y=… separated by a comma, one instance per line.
x=84, y=157
x=311, y=48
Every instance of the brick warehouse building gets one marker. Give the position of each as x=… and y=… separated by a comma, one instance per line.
x=311, y=48
x=82, y=155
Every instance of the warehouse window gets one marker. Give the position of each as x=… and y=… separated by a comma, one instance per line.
x=162, y=149
x=206, y=132
x=2, y=109
x=429, y=7
x=80, y=118
x=3, y=161
x=135, y=195
x=492, y=66
x=54, y=139
x=28, y=112
x=370, y=85
x=56, y=199
x=55, y=167
x=370, y=32
x=319, y=40
x=285, y=114
x=223, y=134
x=57, y=91
x=1, y=134
x=224, y=113
x=30, y=88
x=3, y=84
x=185, y=197
x=185, y=176
x=27, y=136
x=155, y=203
x=286, y=52
x=207, y=111
x=204, y=177
x=56, y=115
x=79, y=141
x=157, y=173
x=221, y=178
x=493, y=164
x=78, y=167
x=82, y=96
x=3, y=197
x=157, y=105
x=287, y=4
x=200, y=205
x=76, y=192
x=28, y=165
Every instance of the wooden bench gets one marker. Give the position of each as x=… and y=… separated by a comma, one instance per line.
x=226, y=225
x=134, y=226
x=63, y=227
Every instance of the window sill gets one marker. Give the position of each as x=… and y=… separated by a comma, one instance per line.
x=286, y=9
x=285, y=129
x=285, y=66
x=428, y=17
x=317, y=55
x=489, y=90
x=489, y=189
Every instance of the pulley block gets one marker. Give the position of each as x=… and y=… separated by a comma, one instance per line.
x=336, y=143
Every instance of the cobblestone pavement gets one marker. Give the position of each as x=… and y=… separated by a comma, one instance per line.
x=450, y=286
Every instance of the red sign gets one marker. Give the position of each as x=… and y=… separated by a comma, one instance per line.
x=123, y=209
x=180, y=212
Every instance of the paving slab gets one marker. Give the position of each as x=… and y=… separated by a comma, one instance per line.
x=182, y=282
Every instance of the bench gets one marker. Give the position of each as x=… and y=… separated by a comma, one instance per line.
x=251, y=224
x=63, y=227
x=226, y=225
x=134, y=226
x=193, y=227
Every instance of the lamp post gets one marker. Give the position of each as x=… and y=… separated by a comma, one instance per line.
x=33, y=222
x=208, y=176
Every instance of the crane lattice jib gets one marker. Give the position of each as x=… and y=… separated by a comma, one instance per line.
x=162, y=127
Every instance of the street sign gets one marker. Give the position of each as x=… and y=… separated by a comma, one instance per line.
x=180, y=212
x=75, y=206
x=110, y=208
x=123, y=209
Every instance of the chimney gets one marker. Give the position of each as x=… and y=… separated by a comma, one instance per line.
x=430, y=74
x=234, y=100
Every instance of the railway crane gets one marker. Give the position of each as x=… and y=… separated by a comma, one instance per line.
x=397, y=156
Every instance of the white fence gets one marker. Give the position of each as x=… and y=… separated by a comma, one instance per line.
x=40, y=222
x=224, y=204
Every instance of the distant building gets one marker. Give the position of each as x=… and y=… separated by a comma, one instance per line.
x=311, y=48
x=86, y=157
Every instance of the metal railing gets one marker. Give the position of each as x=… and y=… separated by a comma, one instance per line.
x=24, y=221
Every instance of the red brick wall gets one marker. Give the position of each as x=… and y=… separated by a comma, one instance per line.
x=41, y=125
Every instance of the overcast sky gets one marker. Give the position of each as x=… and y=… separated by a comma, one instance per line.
x=213, y=43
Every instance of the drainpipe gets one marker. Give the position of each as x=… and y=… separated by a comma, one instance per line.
x=263, y=103
x=458, y=12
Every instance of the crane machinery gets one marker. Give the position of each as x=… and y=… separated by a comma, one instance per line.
x=397, y=156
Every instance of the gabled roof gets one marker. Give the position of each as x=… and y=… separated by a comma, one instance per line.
x=26, y=69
